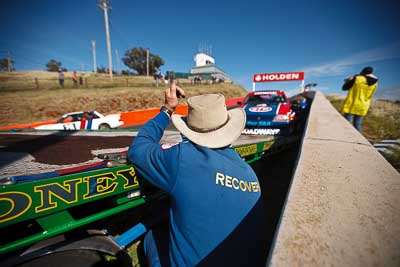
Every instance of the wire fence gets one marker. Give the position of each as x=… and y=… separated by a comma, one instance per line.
x=92, y=81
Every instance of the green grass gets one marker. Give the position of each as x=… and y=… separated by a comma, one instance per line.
x=382, y=121
x=133, y=252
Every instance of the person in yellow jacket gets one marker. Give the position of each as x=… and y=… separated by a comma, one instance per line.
x=361, y=88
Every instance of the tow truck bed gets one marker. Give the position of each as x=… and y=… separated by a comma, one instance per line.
x=52, y=183
x=38, y=152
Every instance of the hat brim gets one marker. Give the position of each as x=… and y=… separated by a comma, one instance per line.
x=221, y=137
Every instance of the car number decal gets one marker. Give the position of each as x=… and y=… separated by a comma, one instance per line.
x=260, y=109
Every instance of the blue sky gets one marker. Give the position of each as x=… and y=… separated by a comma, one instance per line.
x=329, y=40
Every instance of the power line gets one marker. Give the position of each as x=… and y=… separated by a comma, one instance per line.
x=28, y=62
x=33, y=61
x=117, y=61
x=120, y=35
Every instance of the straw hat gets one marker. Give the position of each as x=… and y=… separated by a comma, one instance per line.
x=209, y=123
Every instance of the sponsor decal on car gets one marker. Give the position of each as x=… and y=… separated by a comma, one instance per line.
x=265, y=93
x=261, y=131
x=246, y=150
x=260, y=109
x=53, y=195
x=267, y=145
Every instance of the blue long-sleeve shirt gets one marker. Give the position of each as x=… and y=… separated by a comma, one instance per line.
x=216, y=208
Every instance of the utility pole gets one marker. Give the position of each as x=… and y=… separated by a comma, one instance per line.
x=103, y=5
x=94, y=56
x=147, y=62
x=9, y=62
x=117, y=60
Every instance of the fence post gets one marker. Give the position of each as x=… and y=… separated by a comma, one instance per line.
x=86, y=82
x=37, y=82
x=127, y=83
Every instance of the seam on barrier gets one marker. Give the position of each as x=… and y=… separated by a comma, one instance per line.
x=340, y=141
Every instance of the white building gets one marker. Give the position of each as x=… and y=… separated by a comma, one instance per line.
x=206, y=69
x=202, y=59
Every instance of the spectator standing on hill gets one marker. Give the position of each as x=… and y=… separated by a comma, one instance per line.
x=155, y=82
x=215, y=216
x=361, y=88
x=61, y=77
x=156, y=76
x=75, y=78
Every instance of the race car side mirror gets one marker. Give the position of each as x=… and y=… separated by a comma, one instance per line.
x=239, y=102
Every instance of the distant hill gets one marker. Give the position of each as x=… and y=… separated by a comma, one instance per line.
x=392, y=94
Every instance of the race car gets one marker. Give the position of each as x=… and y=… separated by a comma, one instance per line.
x=268, y=113
x=89, y=120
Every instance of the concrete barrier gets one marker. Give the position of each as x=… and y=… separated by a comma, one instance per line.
x=25, y=125
x=343, y=207
x=132, y=118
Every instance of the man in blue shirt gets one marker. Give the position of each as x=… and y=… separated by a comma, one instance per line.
x=215, y=214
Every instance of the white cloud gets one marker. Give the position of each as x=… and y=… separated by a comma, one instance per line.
x=343, y=66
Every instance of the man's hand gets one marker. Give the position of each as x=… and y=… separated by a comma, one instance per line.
x=171, y=100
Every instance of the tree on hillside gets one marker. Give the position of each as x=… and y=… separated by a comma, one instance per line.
x=54, y=65
x=135, y=58
x=4, y=64
x=127, y=72
x=103, y=69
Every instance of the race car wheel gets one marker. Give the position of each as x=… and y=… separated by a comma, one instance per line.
x=104, y=126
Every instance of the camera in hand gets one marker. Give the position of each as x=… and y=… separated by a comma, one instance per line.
x=179, y=95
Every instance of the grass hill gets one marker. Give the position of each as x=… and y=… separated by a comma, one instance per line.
x=25, y=100
x=381, y=123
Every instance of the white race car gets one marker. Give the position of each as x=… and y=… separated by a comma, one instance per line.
x=90, y=120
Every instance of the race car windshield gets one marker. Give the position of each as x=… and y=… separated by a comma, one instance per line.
x=266, y=99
